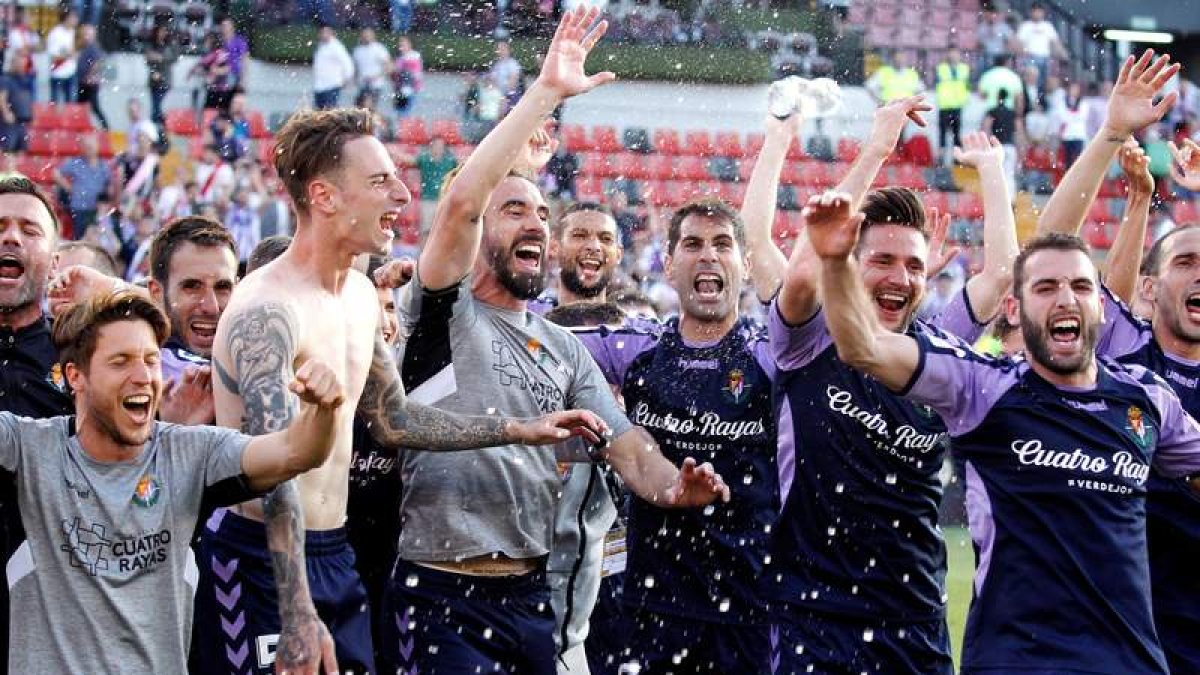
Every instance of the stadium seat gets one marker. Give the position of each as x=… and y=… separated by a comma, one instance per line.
x=266, y=152
x=76, y=117
x=590, y=163
x=574, y=138
x=182, y=122
x=787, y=224
x=606, y=167
x=65, y=144
x=1100, y=212
x=919, y=150
x=795, y=151
x=660, y=167
x=1185, y=212
x=630, y=165
x=604, y=139
x=46, y=116
x=967, y=205
x=936, y=200
x=754, y=143
x=964, y=39
x=858, y=14
x=813, y=173
x=448, y=131
x=1097, y=235
x=105, y=145
x=909, y=176
x=729, y=144
x=733, y=193
x=847, y=149
x=589, y=188
x=258, y=125
x=691, y=168
x=698, y=143
x=1112, y=188
x=37, y=169
x=879, y=35
x=666, y=141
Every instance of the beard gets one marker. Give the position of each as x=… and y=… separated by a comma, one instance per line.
x=1171, y=316
x=569, y=278
x=522, y=285
x=23, y=296
x=1037, y=345
x=110, y=428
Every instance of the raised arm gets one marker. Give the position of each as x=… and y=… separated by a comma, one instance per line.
x=636, y=458
x=767, y=263
x=1125, y=256
x=1000, y=248
x=258, y=368
x=396, y=422
x=885, y=134
x=862, y=343
x=1130, y=108
x=455, y=236
x=798, y=299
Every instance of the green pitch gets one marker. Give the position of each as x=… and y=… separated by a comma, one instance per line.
x=961, y=562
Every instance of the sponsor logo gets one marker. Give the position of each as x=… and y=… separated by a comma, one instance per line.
x=147, y=491
x=1087, y=406
x=1121, y=464
x=1189, y=382
x=699, y=364
x=707, y=424
x=736, y=389
x=904, y=437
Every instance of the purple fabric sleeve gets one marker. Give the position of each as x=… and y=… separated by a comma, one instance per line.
x=1122, y=332
x=615, y=350
x=960, y=384
x=958, y=319
x=796, y=346
x=1178, y=450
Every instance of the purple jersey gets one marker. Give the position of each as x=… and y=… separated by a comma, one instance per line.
x=1056, y=485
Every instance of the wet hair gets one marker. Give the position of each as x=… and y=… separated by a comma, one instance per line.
x=893, y=206
x=706, y=208
x=18, y=184
x=1153, y=260
x=199, y=230
x=310, y=146
x=1055, y=241
x=77, y=331
x=267, y=250
x=584, y=314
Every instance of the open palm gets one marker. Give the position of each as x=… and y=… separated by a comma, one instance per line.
x=832, y=228
x=562, y=69
x=1131, y=105
x=979, y=148
x=1185, y=167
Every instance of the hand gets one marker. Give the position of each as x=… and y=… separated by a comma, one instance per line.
x=562, y=67
x=890, y=120
x=316, y=384
x=304, y=646
x=979, y=149
x=75, y=284
x=189, y=400
x=538, y=151
x=939, y=255
x=1131, y=105
x=832, y=228
x=559, y=426
x=1136, y=167
x=696, y=486
x=787, y=128
x=1185, y=169
x=395, y=273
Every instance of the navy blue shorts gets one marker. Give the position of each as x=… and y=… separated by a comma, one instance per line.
x=236, y=626
x=607, y=642
x=443, y=623
x=803, y=642
x=662, y=644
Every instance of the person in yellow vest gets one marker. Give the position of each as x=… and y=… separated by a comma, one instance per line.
x=893, y=82
x=953, y=89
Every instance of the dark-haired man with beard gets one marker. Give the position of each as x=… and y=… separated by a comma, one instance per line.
x=469, y=591
x=588, y=248
x=1058, y=448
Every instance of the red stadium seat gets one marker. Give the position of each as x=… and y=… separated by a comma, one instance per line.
x=591, y=163
x=630, y=165
x=698, y=143
x=37, y=169
x=107, y=150
x=909, y=176
x=666, y=141
x=182, y=122
x=937, y=200
x=968, y=205
x=1097, y=235
x=733, y=193
x=447, y=130
x=605, y=139
x=46, y=116
x=574, y=137
x=76, y=117
x=847, y=149
x=1185, y=212
x=1112, y=188
x=813, y=173
x=589, y=188
x=660, y=167
x=607, y=166
x=691, y=168
x=258, y=125
x=729, y=144
x=656, y=193
x=1100, y=212
x=754, y=143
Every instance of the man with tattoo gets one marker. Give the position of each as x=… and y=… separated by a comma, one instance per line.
x=110, y=497
x=469, y=591
x=253, y=603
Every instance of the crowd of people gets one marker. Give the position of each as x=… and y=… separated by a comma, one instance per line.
x=349, y=446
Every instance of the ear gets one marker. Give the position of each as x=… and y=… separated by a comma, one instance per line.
x=668, y=265
x=1012, y=310
x=157, y=293
x=322, y=196
x=75, y=378
x=1147, y=287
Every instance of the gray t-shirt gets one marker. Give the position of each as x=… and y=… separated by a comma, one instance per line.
x=104, y=581
x=468, y=357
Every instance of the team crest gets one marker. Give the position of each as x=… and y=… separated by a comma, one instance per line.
x=536, y=350
x=736, y=389
x=55, y=377
x=1142, y=434
x=147, y=491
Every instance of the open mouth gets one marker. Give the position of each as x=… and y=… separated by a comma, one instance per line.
x=204, y=329
x=138, y=407
x=1192, y=304
x=11, y=267
x=387, y=222
x=1065, y=330
x=708, y=286
x=529, y=255
x=891, y=302
x=590, y=265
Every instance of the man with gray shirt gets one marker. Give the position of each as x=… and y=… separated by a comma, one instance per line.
x=110, y=497
x=469, y=591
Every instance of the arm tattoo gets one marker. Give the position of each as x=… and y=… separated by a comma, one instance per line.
x=396, y=422
x=262, y=348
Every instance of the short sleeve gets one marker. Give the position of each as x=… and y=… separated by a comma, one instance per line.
x=960, y=384
x=614, y=350
x=1178, y=451
x=958, y=319
x=1122, y=332
x=590, y=391
x=796, y=346
x=10, y=441
x=222, y=450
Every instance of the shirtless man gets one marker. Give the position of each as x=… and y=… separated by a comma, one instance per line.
x=347, y=195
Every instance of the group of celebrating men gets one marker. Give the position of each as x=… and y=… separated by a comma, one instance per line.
x=371, y=498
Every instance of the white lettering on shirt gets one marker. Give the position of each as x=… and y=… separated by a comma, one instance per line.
x=707, y=424
x=1122, y=464
x=906, y=436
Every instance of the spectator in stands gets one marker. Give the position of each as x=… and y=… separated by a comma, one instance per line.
x=60, y=47
x=237, y=49
x=1071, y=122
x=408, y=76
x=215, y=72
x=894, y=82
x=274, y=216
x=563, y=168
x=1032, y=97
x=1054, y=95
x=1002, y=122
x=238, y=117
x=1097, y=103
x=161, y=55
x=23, y=43
x=85, y=179
x=381, y=125
x=88, y=11
x=820, y=145
x=138, y=124
x=371, y=63
x=941, y=291
x=952, y=91
x=1039, y=41
x=243, y=223
x=90, y=72
x=400, y=13
x=434, y=163
x=995, y=38
x=16, y=111
x=137, y=169
x=214, y=176
x=505, y=73
x=175, y=200
x=1158, y=151
x=230, y=146
x=332, y=69
x=1001, y=77
x=87, y=254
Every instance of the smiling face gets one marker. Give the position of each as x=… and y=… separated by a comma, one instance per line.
x=119, y=390
x=26, y=249
x=707, y=268
x=588, y=251
x=200, y=282
x=1059, y=310
x=367, y=195
x=1176, y=287
x=892, y=264
x=515, y=237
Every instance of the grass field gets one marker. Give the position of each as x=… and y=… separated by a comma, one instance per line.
x=961, y=563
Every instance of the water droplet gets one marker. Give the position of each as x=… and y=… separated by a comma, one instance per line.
x=411, y=580
x=868, y=635
x=649, y=582
x=724, y=605
x=487, y=633
x=747, y=479
x=839, y=488
x=890, y=479
x=831, y=531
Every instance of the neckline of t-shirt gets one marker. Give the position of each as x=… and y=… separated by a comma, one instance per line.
x=1180, y=360
x=73, y=441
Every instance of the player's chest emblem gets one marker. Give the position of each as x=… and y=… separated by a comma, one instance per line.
x=736, y=388
x=1142, y=433
x=147, y=491
x=55, y=377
